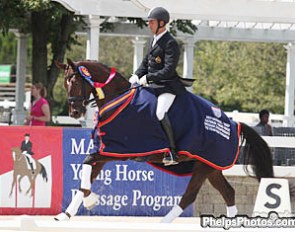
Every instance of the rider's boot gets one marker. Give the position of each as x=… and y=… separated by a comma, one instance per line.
x=90, y=199
x=171, y=159
x=32, y=168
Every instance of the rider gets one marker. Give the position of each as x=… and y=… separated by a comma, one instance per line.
x=158, y=71
x=26, y=148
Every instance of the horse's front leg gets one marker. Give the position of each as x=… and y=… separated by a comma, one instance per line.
x=91, y=168
x=199, y=175
x=13, y=184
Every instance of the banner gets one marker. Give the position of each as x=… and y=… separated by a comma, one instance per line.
x=5, y=73
x=30, y=170
x=40, y=172
x=124, y=188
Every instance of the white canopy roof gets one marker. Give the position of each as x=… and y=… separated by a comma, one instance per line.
x=253, y=11
x=240, y=20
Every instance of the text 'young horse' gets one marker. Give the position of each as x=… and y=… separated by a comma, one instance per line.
x=207, y=140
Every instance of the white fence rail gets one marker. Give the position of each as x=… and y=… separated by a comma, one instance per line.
x=251, y=119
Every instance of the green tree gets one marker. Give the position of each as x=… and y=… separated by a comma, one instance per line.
x=8, y=47
x=241, y=76
x=51, y=28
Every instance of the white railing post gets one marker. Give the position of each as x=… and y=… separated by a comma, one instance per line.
x=290, y=85
x=19, y=112
x=138, y=44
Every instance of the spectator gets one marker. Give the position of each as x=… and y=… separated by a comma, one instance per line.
x=40, y=112
x=263, y=128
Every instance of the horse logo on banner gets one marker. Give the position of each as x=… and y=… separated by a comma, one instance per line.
x=21, y=169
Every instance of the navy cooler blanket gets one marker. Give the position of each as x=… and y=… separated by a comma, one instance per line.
x=201, y=129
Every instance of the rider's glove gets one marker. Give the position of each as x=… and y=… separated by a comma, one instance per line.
x=143, y=81
x=134, y=79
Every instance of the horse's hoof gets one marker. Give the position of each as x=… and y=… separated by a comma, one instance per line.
x=62, y=217
x=90, y=201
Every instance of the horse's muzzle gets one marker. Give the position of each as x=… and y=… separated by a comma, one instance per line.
x=77, y=112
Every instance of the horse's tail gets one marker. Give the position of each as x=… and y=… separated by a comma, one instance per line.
x=256, y=153
x=43, y=173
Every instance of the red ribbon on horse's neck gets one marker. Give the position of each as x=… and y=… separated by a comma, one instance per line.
x=110, y=78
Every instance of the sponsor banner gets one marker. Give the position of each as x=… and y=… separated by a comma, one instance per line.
x=5, y=73
x=124, y=188
x=30, y=170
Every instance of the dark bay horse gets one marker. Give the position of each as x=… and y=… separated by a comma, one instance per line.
x=217, y=138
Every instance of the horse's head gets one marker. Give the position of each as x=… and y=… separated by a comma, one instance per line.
x=85, y=77
x=78, y=91
x=16, y=153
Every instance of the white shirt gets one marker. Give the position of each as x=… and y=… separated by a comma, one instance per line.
x=157, y=37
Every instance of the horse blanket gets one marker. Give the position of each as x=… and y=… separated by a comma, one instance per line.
x=128, y=127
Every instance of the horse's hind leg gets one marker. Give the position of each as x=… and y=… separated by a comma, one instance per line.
x=19, y=186
x=199, y=175
x=219, y=182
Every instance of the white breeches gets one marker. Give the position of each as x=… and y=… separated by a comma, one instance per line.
x=165, y=101
x=32, y=161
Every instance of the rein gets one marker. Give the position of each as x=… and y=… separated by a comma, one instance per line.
x=115, y=94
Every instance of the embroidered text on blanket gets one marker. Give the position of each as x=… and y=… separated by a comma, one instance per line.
x=216, y=125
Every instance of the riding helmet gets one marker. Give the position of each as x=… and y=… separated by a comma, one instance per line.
x=159, y=13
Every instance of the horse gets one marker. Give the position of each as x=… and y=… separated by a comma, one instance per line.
x=113, y=95
x=20, y=168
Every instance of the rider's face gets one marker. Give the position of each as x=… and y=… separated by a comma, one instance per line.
x=153, y=24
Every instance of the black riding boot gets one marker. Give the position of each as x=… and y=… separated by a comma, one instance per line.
x=31, y=165
x=172, y=158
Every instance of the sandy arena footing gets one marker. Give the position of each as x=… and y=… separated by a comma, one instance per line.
x=109, y=224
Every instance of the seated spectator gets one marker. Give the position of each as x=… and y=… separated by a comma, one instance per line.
x=263, y=128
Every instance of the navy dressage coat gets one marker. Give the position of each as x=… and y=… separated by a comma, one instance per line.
x=159, y=66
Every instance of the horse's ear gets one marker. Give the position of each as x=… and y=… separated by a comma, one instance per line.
x=60, y=65
x=71, y=63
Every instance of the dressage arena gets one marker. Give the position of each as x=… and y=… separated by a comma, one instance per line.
x=108, y=224
x=95, y=223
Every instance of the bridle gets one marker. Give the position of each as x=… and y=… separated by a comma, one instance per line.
x=96, y=87
x=83, y=98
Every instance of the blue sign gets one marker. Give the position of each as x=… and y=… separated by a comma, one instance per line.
x=124, y=188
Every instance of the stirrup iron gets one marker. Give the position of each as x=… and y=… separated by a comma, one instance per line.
x=169, y=160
